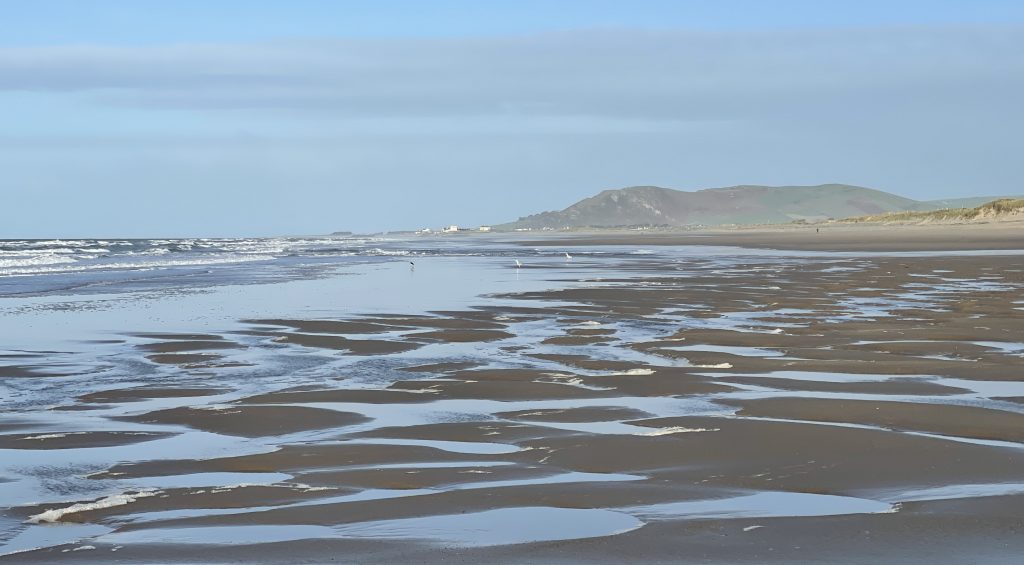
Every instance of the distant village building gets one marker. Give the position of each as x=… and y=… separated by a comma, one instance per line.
x=485, y=228
x=450, y=229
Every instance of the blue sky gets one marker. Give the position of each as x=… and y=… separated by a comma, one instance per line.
x=46, y=22
x=231, y=117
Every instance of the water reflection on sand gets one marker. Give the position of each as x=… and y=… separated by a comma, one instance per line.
x=486, y=405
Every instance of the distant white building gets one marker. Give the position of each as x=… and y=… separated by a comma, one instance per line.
x=450, y=229
x=485, y=228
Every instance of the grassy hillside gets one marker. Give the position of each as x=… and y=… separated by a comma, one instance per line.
x=745, y=204
x=1003, y=209
x=652, y=206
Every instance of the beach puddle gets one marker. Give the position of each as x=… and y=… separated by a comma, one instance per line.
x=49, y=535
x=730, y=349
x=503, y=526
x=948, y=492
x=1007, y=348
x=196, y=480
x=761, y=505
x=825, y=377
x=220, y=535
x=470, y=447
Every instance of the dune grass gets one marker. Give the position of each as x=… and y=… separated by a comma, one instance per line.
x=997, y=209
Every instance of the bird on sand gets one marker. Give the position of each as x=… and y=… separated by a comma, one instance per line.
x=568, y=257
x=412, y=266
x=518, y=264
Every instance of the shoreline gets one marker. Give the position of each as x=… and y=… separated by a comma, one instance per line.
x=830, y=237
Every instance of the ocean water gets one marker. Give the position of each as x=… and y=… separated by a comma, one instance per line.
x=56, y=294
x=37, y=266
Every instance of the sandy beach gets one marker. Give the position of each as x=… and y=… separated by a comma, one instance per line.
x=739, y=396
x=811, y=237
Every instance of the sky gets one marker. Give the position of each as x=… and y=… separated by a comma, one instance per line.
x=257, y=117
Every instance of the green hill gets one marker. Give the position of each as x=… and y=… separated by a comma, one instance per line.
x=745, y=204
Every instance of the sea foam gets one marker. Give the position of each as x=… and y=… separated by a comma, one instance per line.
x=54, y=515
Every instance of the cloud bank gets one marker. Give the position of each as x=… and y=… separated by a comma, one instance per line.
x=613, y=74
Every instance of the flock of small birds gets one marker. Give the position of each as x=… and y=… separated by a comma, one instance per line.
x=519, y=265
x=567, y=258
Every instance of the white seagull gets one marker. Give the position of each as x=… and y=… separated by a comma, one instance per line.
x=518, y=264
x=568, y=257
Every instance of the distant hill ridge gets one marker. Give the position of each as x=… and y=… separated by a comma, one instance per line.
x=744, y=204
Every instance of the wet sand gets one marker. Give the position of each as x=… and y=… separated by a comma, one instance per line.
x=251, y=421
x=820, y=237
x=75, y=439
x=853, y=409
x=959, y=421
